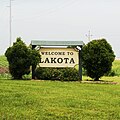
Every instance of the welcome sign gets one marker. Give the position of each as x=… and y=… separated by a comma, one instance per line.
x=58, y=57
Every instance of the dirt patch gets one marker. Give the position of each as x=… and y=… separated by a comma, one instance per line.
x=100, y=82
x=4, y=70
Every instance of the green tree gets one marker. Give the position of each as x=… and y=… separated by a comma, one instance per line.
x=20, y=58
x=97, y=57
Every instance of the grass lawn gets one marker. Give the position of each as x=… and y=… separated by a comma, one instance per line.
x=54, y=100
x=104, y=79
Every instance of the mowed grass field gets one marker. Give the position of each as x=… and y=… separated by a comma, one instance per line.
x=55, y=100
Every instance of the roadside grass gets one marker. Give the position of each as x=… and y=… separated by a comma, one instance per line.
x=54, y=100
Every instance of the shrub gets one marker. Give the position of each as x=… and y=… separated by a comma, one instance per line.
x=111, y=73
x=84, y=72
x=62, y=74
x=70, y=74
x=43, y=73
x=97, y=57
x=20, y=58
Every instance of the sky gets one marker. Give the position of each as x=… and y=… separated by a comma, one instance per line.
x=60, y=20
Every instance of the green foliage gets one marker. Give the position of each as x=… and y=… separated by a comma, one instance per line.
x=34, y=57
x=97, y=58
x=20, y=58
x=62, y=74
x=70, y=74
x=110, y=73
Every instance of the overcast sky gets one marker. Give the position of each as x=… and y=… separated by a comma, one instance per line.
x=61, y=20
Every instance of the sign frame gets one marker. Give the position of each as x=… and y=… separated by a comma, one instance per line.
x=58, y=44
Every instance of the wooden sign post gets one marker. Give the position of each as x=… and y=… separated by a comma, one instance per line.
x=58, y=56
